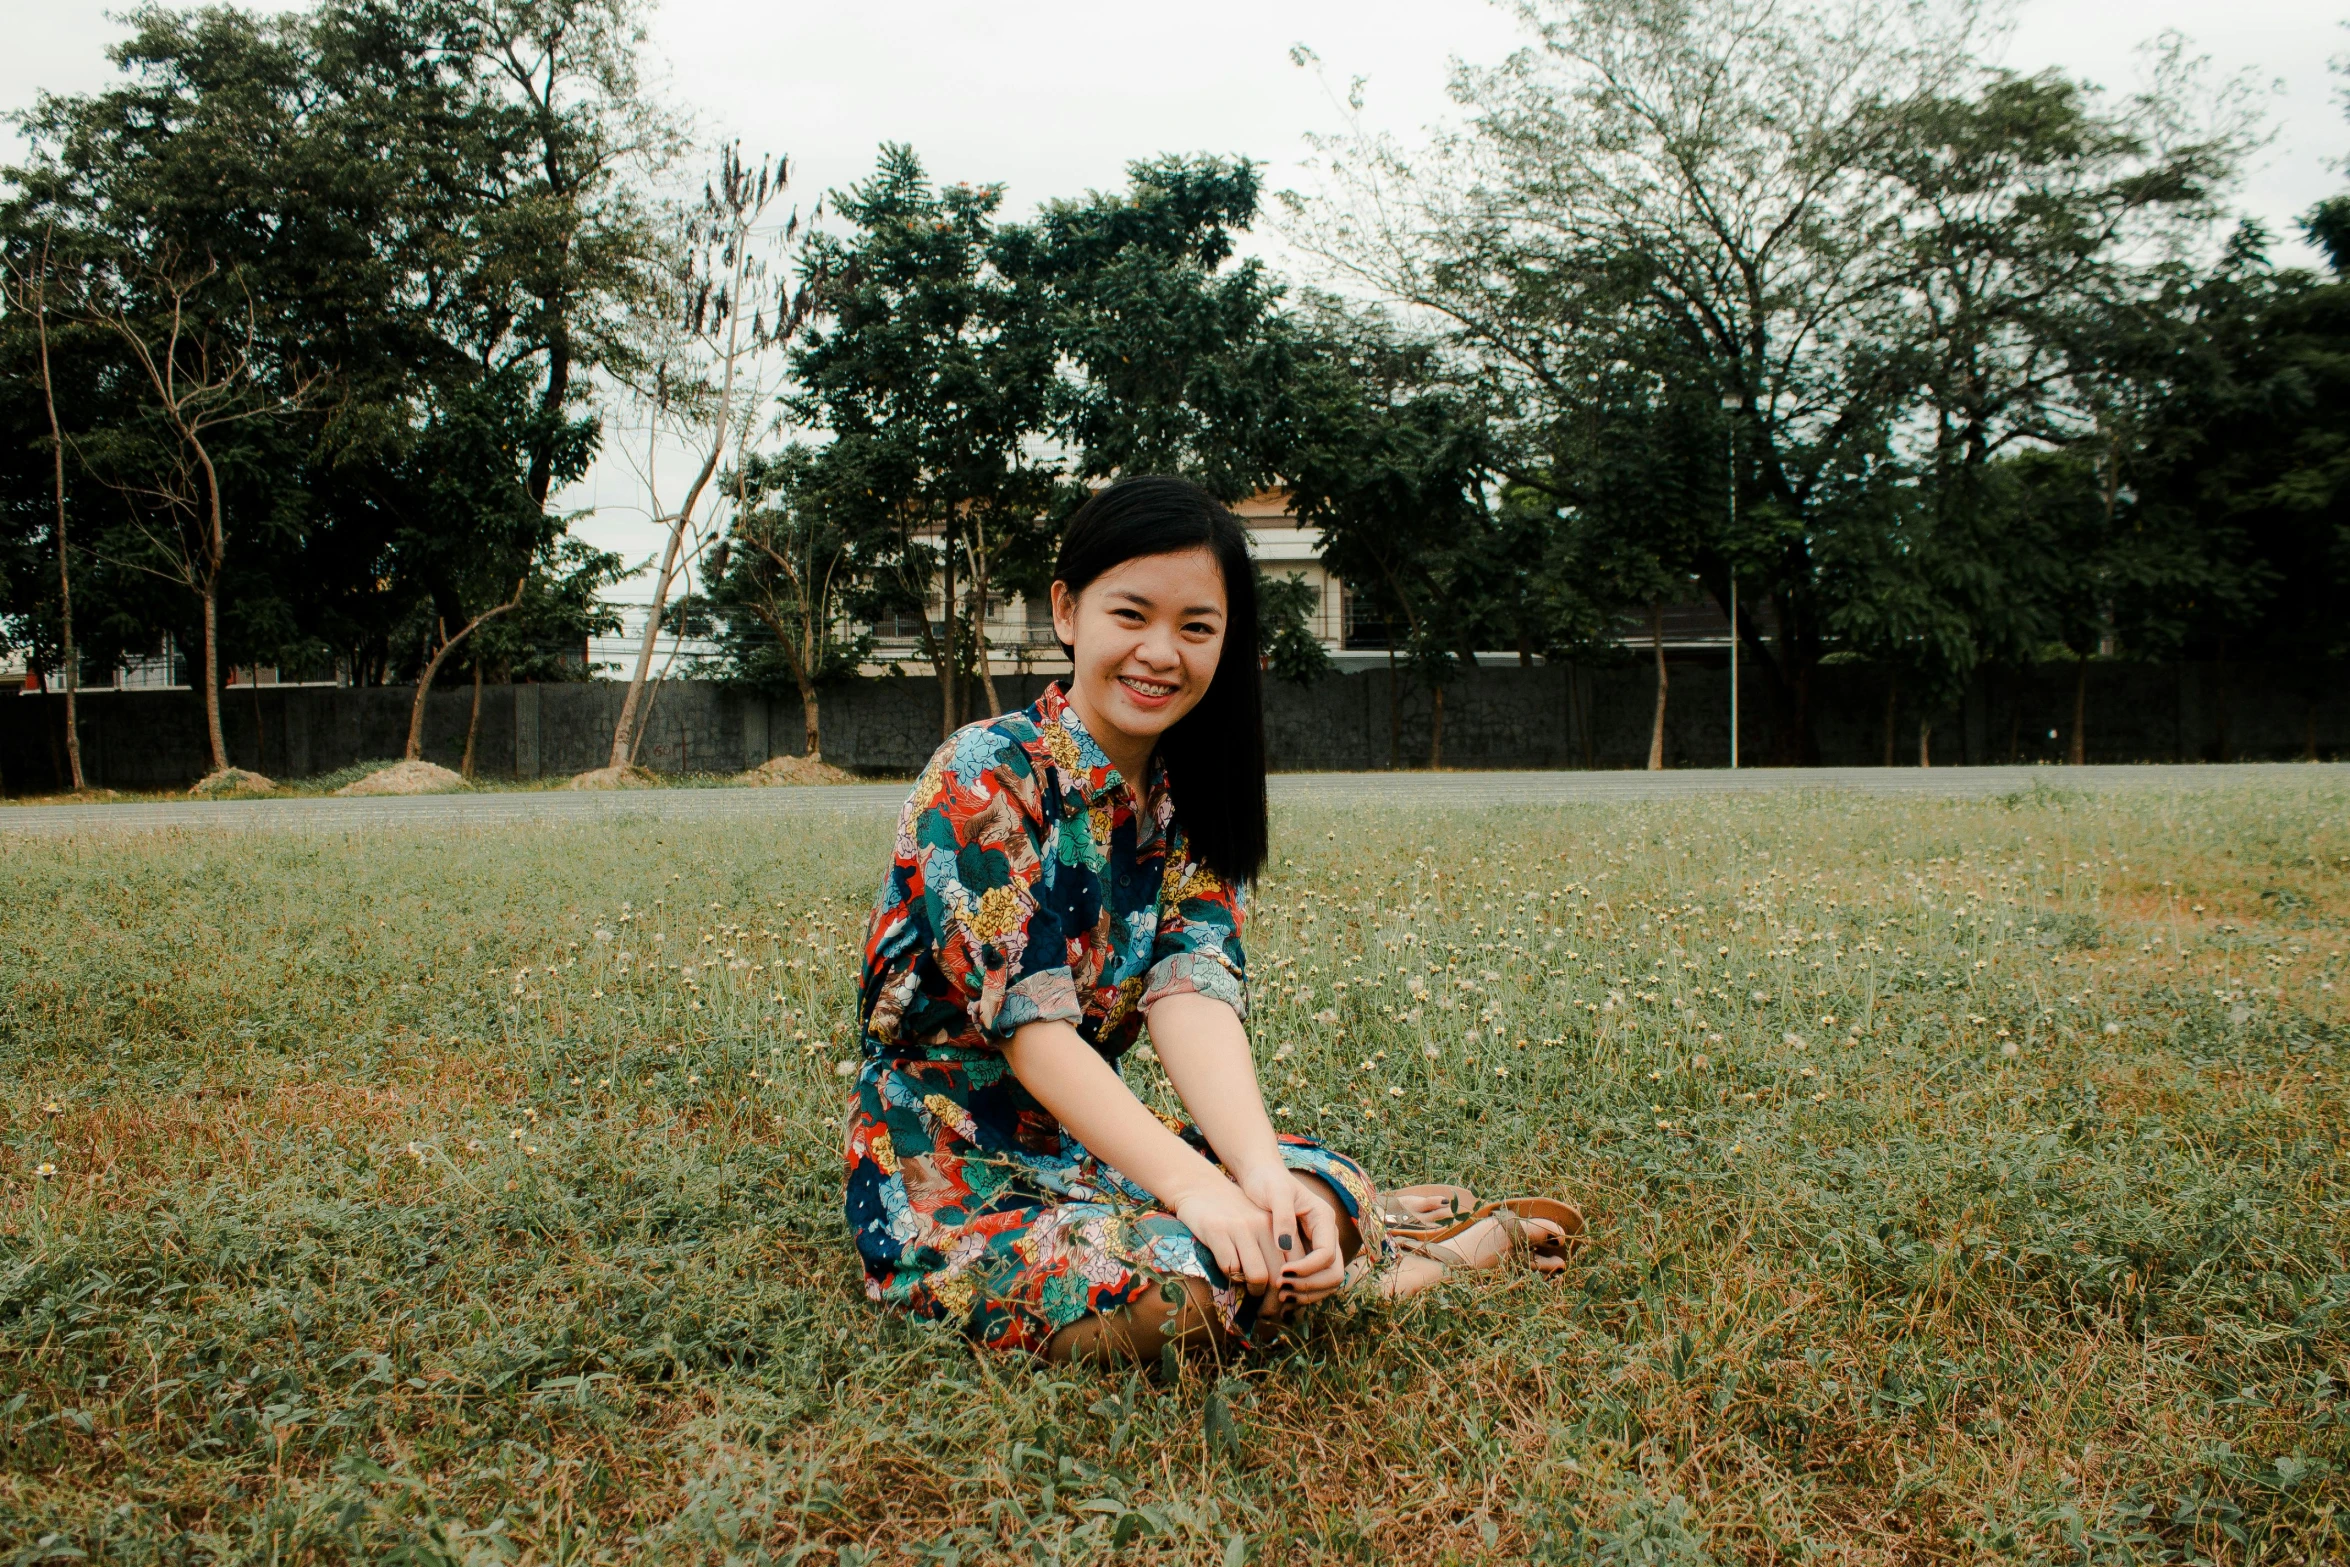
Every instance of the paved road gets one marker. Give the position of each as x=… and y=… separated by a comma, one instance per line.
x=459, y=810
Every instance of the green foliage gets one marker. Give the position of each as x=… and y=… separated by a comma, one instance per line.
x=1898, y=266
x=446, y=1194
x=956, y=355
x=930, y=369
x=1177, y=355
x=412, y=221
x=1286, y=606
x=1385, y=456
x=788, y=581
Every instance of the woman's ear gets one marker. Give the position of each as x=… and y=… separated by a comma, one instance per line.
x=1064, y=614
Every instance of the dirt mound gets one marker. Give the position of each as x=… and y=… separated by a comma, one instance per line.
x=794, y=770
x=418, y=777
x=614, y=778
x=231, y=783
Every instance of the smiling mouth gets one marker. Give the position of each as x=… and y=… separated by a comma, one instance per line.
x=1149, y=690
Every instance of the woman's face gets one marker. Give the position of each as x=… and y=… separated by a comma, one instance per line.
x=1148, y=634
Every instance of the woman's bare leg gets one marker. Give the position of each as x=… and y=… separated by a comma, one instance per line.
x=1138, y=1332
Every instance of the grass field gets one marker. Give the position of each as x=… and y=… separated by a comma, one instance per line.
x=1966, y=1181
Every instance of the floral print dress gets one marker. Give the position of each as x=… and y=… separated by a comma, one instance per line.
x=1028, y=884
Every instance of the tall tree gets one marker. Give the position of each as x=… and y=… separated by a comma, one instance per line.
x=1389, y=463
x=1800, y=196
x=931, y=371
x=1174, y=361
x=454, y=278
x=29, y=294
x=711, y=365
x=787, y=581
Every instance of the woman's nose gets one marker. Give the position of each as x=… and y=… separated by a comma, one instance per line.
x=1157, y=648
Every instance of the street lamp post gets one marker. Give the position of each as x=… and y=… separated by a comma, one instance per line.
x=1730, y=406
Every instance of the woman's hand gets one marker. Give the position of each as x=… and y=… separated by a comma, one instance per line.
x=1311, y=1264
x=1234, y=1228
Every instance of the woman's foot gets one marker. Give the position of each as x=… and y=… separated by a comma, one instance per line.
x=1482, y=1245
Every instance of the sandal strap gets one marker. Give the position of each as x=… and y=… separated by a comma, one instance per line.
x=1434, y=1251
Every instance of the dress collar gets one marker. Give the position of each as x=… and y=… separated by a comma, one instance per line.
x=1064, y=738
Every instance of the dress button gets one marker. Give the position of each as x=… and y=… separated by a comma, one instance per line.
x=991, y=957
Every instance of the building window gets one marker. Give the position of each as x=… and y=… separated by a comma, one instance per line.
x=1367, y=630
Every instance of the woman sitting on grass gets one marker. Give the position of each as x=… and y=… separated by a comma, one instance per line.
x=1063, y=875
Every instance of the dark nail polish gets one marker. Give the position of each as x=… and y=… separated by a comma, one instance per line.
x=1285, y=1243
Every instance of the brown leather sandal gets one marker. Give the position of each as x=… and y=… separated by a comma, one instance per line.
x=1398, y=1219
x=1547, y=1253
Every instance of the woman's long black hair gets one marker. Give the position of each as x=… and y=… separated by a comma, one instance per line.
x=1214, y=754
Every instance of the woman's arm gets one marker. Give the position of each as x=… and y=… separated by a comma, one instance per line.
x=1204, y=1048
x=1086, y=1095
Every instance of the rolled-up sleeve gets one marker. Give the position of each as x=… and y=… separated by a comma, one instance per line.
x=981, y=850
x=1197, y=950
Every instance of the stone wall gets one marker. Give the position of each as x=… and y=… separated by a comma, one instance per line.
x=1552, y=716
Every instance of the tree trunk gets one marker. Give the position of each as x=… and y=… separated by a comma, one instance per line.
x=1892, y=697
x=217, y=746
x=1786, y=684
x=472, y=723
x=813, y=737
x=432, y=669
x=1925, y=743
x=950, y=674
x=215, y=555
x=1590, y=719
x=1656, y=732
x=558, y=391
x=979, y=618
x=1436, y=728
x=2219, y=700
x=1574, y=718
x=624, y=732
x=2080, y=742
x=73, y=673
x=1394, y=711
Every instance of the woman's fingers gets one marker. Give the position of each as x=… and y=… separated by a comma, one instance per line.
x=1246, y=1267
x=1222, y=1248
x=1288, y=1239
x=1320, y=1226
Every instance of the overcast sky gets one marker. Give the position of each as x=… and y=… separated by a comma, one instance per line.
x=1052, y=97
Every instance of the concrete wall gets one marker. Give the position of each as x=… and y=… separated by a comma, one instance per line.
x=1546, y=717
